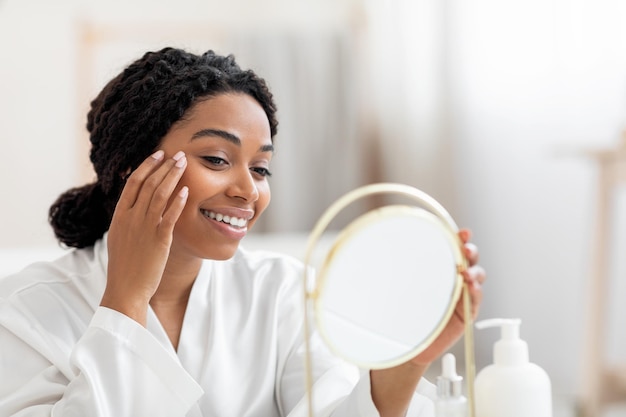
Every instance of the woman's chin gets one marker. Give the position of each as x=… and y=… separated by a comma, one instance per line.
x=222, y=253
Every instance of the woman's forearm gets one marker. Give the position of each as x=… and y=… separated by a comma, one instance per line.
x=393, y=388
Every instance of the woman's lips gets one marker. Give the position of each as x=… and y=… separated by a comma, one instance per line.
x=230, y=226
x=238, y=222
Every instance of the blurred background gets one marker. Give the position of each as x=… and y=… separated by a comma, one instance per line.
x=490, y=106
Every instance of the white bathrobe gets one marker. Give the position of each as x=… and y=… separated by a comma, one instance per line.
x=240, y=353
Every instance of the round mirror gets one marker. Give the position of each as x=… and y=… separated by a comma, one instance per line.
x=389, y=283
x=388, y=286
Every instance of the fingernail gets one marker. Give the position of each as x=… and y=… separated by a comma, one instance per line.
x=183, y=192
x=178, y=155
x=158, y=155
x=181, y=162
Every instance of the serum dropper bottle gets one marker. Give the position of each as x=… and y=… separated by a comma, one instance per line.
x=450, y=399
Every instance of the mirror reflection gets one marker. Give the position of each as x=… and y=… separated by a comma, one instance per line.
x=388, y=286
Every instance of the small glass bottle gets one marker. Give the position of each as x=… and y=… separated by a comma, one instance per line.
x=450, y=399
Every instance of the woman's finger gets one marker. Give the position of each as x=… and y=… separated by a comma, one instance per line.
x=162, y=194
x=474, y=279
x=152, y=184
x=171, y=215
x=136, y=179
x=471, y=253
x=465, y=235
x=475, y=275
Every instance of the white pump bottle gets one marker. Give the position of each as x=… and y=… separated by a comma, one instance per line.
x=512, y=386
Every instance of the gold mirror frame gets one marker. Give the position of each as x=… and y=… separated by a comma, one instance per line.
x=312, y=290
x=415, y=276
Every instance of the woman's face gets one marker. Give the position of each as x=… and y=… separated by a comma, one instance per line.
x=228, y=146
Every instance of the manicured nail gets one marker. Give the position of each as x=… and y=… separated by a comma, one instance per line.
x=183, y=192
x=178, y=155
x=181, y=162
x=158, y=155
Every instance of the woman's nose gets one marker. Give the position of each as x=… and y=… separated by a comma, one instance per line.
x=244, y=186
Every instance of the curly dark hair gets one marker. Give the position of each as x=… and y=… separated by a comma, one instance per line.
x=128, y=120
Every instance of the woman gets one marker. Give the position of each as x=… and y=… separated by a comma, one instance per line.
x=158, y=312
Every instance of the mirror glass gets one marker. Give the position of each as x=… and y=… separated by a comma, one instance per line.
x=388, y=286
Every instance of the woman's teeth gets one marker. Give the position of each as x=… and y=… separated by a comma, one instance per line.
x=233, y=221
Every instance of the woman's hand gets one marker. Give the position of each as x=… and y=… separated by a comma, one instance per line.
x=393, y=388
x=474, y=277
x=140, y=235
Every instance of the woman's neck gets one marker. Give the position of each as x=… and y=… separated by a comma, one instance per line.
x=170, y=300
x=178, y=278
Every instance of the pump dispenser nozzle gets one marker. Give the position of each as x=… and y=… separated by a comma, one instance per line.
x=510, y=349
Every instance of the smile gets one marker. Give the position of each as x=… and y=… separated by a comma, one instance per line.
x=233, y=221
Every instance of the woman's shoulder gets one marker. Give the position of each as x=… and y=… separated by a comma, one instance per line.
x=48, y=305
x=78, y=268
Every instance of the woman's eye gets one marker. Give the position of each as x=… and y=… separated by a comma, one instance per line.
x=214, y=160
x=263, y=172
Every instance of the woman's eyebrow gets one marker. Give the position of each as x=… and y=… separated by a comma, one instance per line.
x=228, y=136
x=217, y=133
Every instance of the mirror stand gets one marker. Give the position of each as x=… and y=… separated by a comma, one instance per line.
x=435, y=227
